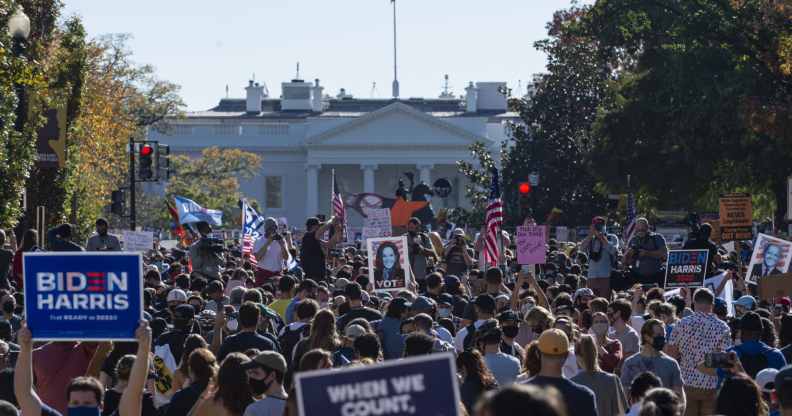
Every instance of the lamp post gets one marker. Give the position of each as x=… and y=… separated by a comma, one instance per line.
x=19, y=30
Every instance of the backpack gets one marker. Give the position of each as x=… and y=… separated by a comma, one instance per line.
x=289, y=339
x=753, y=363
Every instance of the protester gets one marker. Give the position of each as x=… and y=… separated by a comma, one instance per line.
x=641, y=385
x=606, y=386
x=652, y=359
x=540, y=401
x=740, y=396
x=271, y=252
x=102, y=241
x=602, y=256
x=202, y=369
x=646, y=252
x=476, y=377
x=609, y=350
x=6, y=260
x=661, y=402
x=266, y=371
x=232, y=394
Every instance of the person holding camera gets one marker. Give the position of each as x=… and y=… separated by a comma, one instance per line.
x=207, y=254
x=271, y=252
x=458, y=260
x=420, y=248
x=700, y=240
x=646, y=254
x=602, y=257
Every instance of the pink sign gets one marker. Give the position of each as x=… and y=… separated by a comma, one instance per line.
x=531, y=244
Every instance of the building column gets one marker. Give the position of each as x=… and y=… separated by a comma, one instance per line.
x=312, y=190
x=368, y=177
x=425, y=174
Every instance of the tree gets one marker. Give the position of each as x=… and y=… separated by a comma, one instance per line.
x=705, y=98
x=212, y=180
x=479, y=178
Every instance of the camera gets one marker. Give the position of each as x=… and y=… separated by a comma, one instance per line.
x=277, y=237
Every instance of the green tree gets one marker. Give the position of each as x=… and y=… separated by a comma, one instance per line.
x=212, y=180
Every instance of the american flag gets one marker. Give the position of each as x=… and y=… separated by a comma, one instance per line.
x=632, y=215
x=337, y=203
x=251, y=221
x=494, y=220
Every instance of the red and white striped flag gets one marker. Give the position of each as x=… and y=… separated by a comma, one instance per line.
x=247, y=249
x=493, y=221
x=251, y=221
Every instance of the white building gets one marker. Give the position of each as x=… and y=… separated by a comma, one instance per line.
x=369, y=143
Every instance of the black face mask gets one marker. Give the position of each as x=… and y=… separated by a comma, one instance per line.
x=510, y=331
x=8, y=307
x=259, y=387
x=182, y=324
x=658, y=342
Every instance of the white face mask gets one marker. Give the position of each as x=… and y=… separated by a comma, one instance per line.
x=443, y=313
x=600, y=328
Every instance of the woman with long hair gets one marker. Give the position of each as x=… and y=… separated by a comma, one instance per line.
x=202, y=369
x=476, y=377
x=231, y=393
x=661, y=401
x=315, y=359
x=387, y=263
x=609, y=350
x=740, y=396
x=606, y=386
x=29, y=239
x=532, y=362
x=112, y=396
x=323, y=335
x=181, y=377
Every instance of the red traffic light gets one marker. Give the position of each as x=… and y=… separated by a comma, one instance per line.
x=525, y=188
x=146, y=150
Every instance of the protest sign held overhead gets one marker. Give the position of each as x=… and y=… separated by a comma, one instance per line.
x=531, y=244
x=736, y=217
x=420, y=386
x=771, y=256
x=141, y=241
x=377, y=223
x=686, y=268
x=388, y=263
x=83, y=296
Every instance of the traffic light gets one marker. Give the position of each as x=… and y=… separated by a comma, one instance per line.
x=524, y=189
x=146, y=162
x=163, y=162
x=117, y=202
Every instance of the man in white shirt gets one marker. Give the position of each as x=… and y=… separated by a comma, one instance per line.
x=485, y=310
x=271, y=252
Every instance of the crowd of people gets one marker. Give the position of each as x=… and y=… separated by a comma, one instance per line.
x=590, y=332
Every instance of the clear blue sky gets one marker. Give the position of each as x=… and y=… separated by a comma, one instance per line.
x=203, y=45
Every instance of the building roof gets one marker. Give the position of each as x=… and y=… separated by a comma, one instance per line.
x=339, y=107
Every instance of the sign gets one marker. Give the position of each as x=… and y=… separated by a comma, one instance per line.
x=78, y=296
x=686, y=268
x=789, y=198
x=425, y=385
x=777, y=286
x=142, y=241
x=727, y=293
x=770, y=256
x=378, y=220
x=51, y=139
x=531, y=244
x=388, y=263
x=736, y=217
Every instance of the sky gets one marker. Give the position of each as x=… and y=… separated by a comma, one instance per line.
x=205, y=45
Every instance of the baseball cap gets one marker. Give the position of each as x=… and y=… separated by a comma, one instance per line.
x=784, y=301
x=269, y=360
x=458, y=232
x=553, y=342
x=353, y=331
x=401, y=302
x=445, y=299
x=751, y=321
x=177, y=295
x=746, y=301
x=185, y=312
x=485, y=302
x=452, y=281
x=422, y=304
x=583, y=291
x=765, y=379
x=783, y=385
x=341, y=283
x=507, y=315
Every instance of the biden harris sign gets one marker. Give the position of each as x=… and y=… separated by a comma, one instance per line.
x=83, y=296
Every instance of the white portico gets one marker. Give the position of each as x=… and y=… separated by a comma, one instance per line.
x=370, y=143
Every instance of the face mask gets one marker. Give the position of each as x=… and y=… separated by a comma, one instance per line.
x=181, y=324
x=8, y=307
x=83, y=411
x=658, y=342
x=259, y=387
x=443, y=312
x=510, y=331
x=600, y=328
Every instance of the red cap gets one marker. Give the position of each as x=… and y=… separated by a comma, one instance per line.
x=784, y=301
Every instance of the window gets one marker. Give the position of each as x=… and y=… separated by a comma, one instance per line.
x=273, y=192
x=226, y=130
x=180, y=130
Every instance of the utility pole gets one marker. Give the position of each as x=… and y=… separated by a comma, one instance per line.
x=132, y=219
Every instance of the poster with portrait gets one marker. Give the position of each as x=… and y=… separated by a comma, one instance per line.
x=388, y=264
x=771, y=256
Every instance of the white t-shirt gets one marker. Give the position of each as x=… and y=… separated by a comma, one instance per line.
x=273, y=259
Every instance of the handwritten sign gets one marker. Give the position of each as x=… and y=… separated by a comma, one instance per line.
x=142, y=241
x=736, y=216
x=531, y=244
x=379, y=220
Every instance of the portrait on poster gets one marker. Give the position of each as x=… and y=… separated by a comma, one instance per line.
x=388, y=263
x=771, y=256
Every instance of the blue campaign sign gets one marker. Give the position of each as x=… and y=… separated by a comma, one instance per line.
x=686, y=268
x=420, y=386
x=83, y=296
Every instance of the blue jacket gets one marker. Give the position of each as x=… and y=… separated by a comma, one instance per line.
x=392, y=340
x=775, y=359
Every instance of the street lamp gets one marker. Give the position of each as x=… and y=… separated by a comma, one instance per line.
x=19, y=26
x=19, y=30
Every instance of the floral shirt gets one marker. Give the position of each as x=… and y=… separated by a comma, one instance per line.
x=695, y=336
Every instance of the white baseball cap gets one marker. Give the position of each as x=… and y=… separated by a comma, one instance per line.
x=177, y=295
x=765, y=379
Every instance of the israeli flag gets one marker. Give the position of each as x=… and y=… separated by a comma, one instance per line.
x=190, y=212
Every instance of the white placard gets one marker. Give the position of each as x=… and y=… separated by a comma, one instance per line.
x=142, y=241
x=379, y=219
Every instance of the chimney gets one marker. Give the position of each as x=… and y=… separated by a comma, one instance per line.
x=317, y=94
x=297, y=96
x=471, y=98
x=255, y=93
x=490, y=97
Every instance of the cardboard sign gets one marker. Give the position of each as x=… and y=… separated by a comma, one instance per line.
x=142, y=241
x=686, y=268
x=531, y=244
x=424, y=385
x=771, y=256
x=776, y=286
x=736, y=217
x=562, y=233
x=78, y=296
x=378, y=219
x=388, y=263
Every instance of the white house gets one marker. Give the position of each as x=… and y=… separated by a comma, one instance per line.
x=370, y=143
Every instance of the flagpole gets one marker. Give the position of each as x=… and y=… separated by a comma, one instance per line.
x=332, y=191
